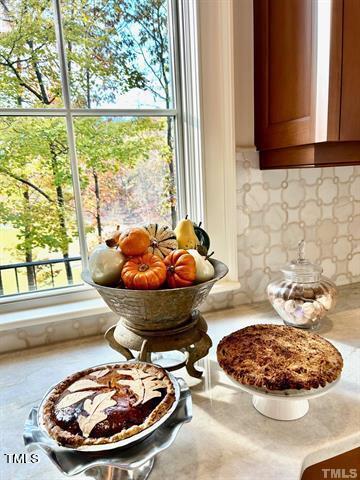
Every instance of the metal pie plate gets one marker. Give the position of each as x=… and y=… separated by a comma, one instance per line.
x=126, y=441
x=134, y=461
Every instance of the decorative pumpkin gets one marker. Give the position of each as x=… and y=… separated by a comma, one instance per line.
x=162, y=239
x=105, y=265
x=146, y=272
x=181, y=269
x=134, y=241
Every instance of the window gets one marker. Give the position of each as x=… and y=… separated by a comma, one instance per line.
x=91, y=130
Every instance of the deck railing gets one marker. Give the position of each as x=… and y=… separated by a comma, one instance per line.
x=34, y=272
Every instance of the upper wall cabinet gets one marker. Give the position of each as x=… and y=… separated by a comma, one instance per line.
x=307, y=82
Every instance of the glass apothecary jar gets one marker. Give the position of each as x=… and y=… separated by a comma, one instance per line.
x=302, y=296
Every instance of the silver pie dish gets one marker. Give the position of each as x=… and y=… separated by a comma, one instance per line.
x=126, y=442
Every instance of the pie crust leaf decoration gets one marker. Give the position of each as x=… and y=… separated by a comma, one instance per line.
x=96, y=410
x=84, y=385
x=133, y=373
x=145, y=387
x=151, y=387
x=100, y=373
x=73, y=398
x=136, y=387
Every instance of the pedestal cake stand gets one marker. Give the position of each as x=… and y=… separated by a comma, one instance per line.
x=165, y=320
x=286, y=404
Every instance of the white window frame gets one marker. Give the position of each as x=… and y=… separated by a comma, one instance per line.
x=216, y=65
x=205, y=144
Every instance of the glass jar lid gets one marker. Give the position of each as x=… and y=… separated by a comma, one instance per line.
x=301, y=270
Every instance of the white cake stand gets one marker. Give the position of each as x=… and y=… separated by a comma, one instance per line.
x=284, y=404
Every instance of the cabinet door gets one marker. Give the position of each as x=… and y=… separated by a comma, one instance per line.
x=350, y=85
x=284, y=66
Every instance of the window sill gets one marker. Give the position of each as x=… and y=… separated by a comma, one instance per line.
x=53, y=313
x=76, y=309
x=226, y=286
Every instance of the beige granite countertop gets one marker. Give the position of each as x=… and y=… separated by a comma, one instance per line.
x=227, y=438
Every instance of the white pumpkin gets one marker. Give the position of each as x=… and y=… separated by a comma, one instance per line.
x=204, y=269
x=105, y=265
x=162, y=239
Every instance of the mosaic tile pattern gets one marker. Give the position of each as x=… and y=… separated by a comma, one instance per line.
x=277, y=208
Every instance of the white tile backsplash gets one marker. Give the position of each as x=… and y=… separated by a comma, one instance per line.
x=321, y=205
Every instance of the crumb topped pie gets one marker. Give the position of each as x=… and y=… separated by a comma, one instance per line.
x=275, y=357
x=107, y=404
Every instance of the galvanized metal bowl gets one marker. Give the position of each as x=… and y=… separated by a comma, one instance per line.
x=161, y=309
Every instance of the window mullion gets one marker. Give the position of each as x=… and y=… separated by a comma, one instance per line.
x=118, y=112
x=70, y=131
x=175, y=67
x=32, y=112
x=87, y=112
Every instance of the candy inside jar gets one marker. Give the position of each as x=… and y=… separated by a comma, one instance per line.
x=302, y=296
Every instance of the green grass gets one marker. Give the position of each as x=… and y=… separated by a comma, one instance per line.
x=8, y=255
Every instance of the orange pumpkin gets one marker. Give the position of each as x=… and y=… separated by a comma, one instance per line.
x=146, y=272
x=134, y=241
x=180, y=269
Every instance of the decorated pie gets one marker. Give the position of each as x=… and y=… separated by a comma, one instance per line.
x=107, y=404
x=275, y=357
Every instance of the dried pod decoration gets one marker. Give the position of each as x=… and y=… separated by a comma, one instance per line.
x=114, y=239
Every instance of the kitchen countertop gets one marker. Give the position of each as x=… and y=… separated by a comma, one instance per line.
x=227, y=438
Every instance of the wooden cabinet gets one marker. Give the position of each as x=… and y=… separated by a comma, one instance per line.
x=307, y=82
x=283, y=66
x=350, y=85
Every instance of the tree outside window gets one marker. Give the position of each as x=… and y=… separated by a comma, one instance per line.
x=117, y=58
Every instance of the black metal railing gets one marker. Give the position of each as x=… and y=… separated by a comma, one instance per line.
x=32, y=268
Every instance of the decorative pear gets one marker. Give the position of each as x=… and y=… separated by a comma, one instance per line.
x=105, y=265
x=204, y=269
x=185, y=234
